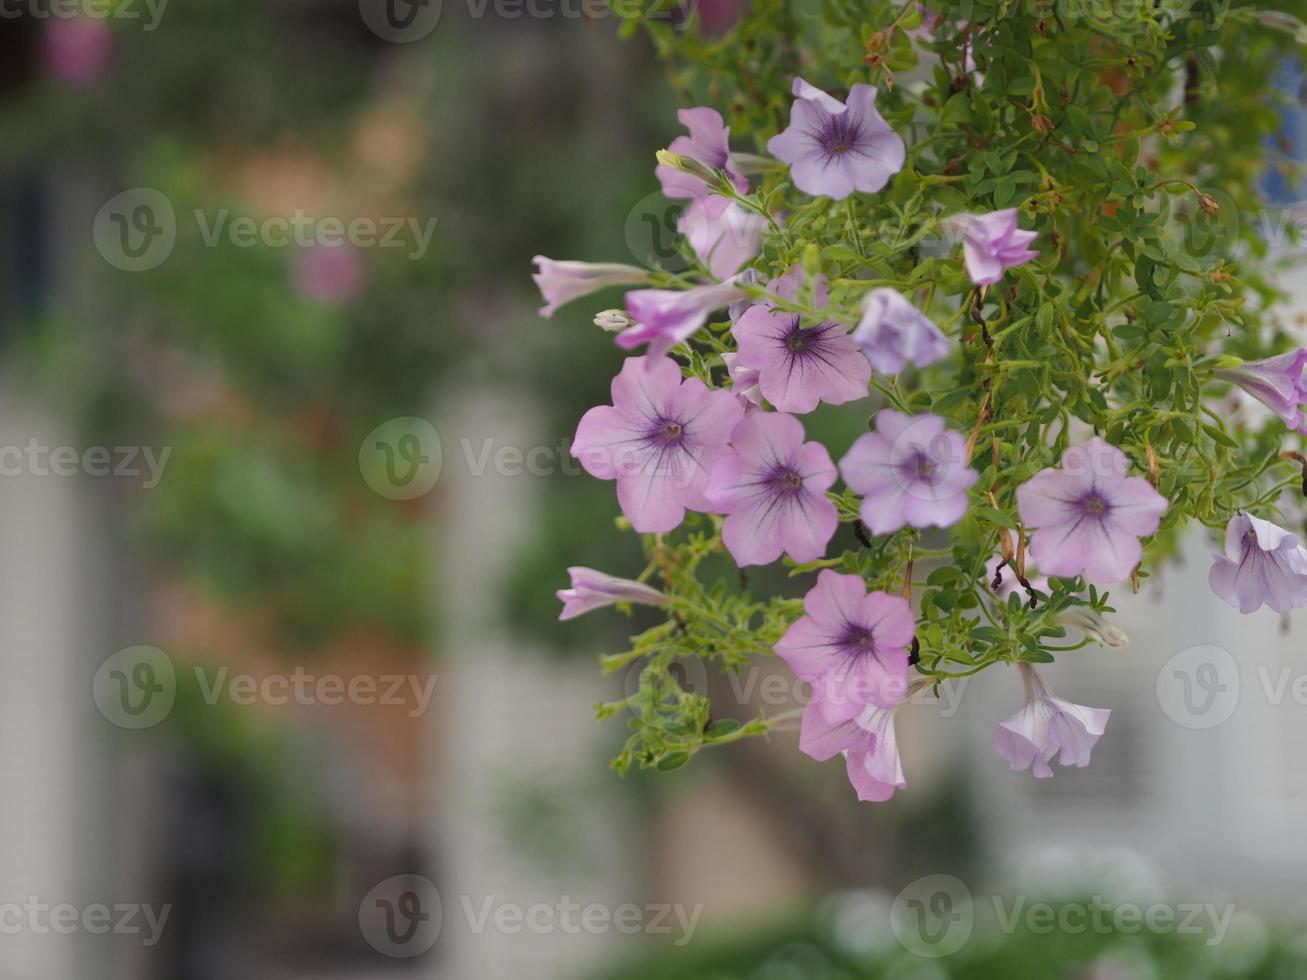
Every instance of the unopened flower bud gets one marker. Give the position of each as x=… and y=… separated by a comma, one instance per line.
x=614, y=321
x=1208, y=204
x=690, y=166
x=1091, y=623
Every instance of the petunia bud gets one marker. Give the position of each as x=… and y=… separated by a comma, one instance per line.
x=690, y=166
x=614, y=321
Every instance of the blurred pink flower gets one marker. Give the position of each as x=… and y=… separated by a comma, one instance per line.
x=330, y=274
x=78, y=49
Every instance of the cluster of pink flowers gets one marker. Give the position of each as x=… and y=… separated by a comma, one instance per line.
x=673, y=443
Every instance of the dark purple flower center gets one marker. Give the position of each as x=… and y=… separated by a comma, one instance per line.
x=839, y=135
x=666, y=433
x=1094, y=505
x=920, y=467
x=784, y=481
x=857, y=641
x=809, y=343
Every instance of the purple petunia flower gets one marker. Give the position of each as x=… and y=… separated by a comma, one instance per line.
x=1047, y=727
x=910, y=471
x=562, y=282
x=1090, y=516
x=1263, y=564
x=658, y=440
x=835, y=148
x=992, y=243
x=851, y=646
x=798, y=366
x=868, y=744
x=593, y=590
x=723, y=234
x=709, y=143
x=772, y=487
x=665, y=317
x=1277, y=383
x=894, y=333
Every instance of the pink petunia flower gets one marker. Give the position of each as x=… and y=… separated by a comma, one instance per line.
x=911, y=471
x=772, y=487
x=799, y=367
x=992, y=243
x=659, y=440
x=835, y=148
x=868, y=744
x=893, y=333
x=723, y=234
x=666, y=317
x=562, y=282
x=594, y=590
x=1089, y=515
x=851, y=646
x=1277, y=383
x=329, y=274
x=78, y=49
x=709, y=143
x=1263, y=564
x=1047, y=727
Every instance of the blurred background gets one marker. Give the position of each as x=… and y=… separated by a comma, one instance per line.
x=284, y=500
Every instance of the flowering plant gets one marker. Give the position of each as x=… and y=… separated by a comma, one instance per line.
x=1012, y=235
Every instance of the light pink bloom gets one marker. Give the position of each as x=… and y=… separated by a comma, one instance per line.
x=850, y=646
x=799, y=367
x=744, y=381
x=329, y=274
x=911, y=471
x=723, y=234
x=666, y=317
x=78, y=49
x=992, y=243
x=1047, y=727
x=893, y=333
x=772, y=487
x=835, y=148
x=1263, y=564
x=658, y=440
x=868, y=744
x=593, y=590
x=1089, y=515
x=562, y=282
x=709, y=143
x=1277, y=383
